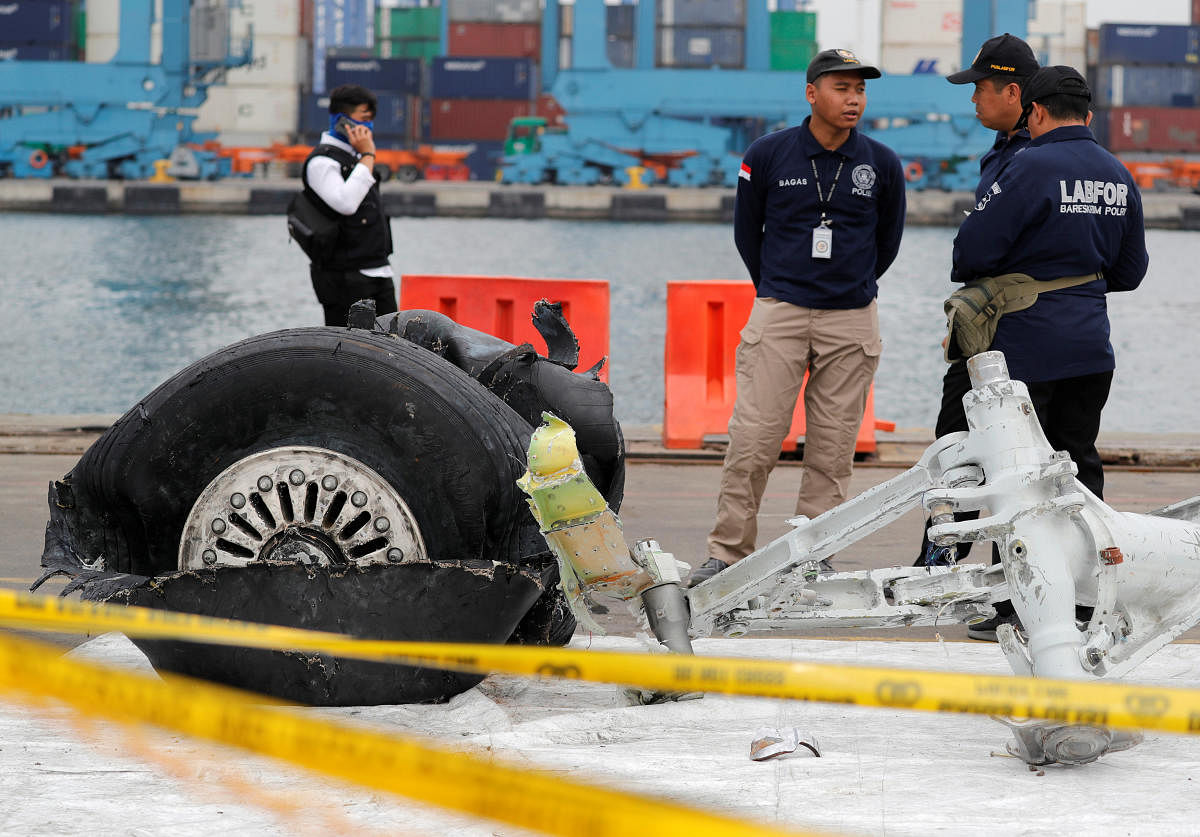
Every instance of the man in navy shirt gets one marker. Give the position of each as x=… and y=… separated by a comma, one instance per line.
x=1063, y=207
x=817, y=221
x=1000, y=68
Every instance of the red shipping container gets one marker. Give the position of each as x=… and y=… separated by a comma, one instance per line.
x=549, y=109
x=473, y=119
x=510, y=40
x=1154, y=129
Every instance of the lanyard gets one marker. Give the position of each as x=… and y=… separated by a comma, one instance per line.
x=822, y=199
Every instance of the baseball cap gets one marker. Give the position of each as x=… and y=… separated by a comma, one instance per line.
x=839, y=60
x=1005, y=54
x=1050, y=81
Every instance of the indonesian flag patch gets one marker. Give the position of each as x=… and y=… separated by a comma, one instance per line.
x=744, y=172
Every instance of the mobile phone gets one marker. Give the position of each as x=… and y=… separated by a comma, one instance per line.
x=343, y=126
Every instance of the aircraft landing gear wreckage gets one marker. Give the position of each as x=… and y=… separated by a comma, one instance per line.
x=1060, y=547
x=365, y=480
x=360, y=480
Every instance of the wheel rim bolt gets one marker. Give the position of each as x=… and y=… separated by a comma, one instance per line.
x=395, y=555
x=218, y=525
x=237, y=501
x=359, y=499
x=296, y=477
x=329, y=482
x=382, y=524
x=209, y=557
x=264, y=483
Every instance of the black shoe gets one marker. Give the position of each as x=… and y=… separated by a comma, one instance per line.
x=986, y=631
x=706, y=571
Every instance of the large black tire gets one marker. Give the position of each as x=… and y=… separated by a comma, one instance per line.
x=448, y=447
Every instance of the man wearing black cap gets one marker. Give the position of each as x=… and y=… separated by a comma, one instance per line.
x=1064, y=207
x=817, y=221
x=1000, y=67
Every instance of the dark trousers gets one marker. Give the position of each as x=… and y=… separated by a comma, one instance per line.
x=1068, y=410
x=337, y=290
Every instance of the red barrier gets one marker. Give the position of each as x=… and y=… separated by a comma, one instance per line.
x=704, y=319
x=503, y=306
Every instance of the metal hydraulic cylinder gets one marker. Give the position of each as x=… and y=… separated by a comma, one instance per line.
x=586, y=538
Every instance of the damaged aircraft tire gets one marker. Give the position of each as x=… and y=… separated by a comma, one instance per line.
x=371, y=405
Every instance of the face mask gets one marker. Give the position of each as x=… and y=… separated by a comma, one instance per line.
x=335, y=118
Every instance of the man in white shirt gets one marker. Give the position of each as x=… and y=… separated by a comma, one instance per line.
x=339, y=177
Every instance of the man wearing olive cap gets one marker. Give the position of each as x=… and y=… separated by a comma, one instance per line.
x=817, y=220
x=1063, y=207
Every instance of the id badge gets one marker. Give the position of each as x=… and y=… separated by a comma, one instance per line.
x=822, y=245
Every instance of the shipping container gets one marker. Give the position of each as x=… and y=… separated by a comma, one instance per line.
x=921, y=22
x=1137, y=43
x=793, y=26
x=280, y=60
x=423, y=49
x=250, y=115
x=393, y=75
x=36, y=22
x=339, y=23
x=209, y=32
x=792, y=55
x=473, y=119
x=462, y=77
x=621, y=53
x=35, y=52
x=549, y=109
x=495, y=11
x=103, y=17
x=685, y=47
x=512, y=40
x=423, y=23
x=619, y=22
x=1170, y=130
x=672, y=13
x=1099, y=126
x=267, y=17
x=1132, y=85
x=920, y=59
x=395, y=116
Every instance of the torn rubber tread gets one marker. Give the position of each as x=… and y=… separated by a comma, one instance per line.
x=451, y=449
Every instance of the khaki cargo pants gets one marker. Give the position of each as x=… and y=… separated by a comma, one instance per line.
x=780, y=342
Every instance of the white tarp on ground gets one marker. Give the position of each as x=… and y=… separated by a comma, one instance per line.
x=881, y=771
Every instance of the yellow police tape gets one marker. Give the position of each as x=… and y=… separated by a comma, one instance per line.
x=1069, y=701
x=397, y=764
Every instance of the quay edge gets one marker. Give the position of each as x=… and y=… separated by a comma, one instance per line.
x=478, y=199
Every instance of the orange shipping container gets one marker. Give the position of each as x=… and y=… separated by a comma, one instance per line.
x=511, y=40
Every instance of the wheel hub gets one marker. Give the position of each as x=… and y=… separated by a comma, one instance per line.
x=299, y=504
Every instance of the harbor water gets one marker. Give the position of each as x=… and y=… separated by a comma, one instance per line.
x=98, y=310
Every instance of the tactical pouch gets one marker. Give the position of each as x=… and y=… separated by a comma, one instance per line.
x=974, y=310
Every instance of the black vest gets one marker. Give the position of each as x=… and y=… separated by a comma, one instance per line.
x=364, y=238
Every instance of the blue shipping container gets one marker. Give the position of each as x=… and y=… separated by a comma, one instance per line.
x=1138, y=43
x=392, y=75
x=338, y=23
x=621, y=53
x=620, y=22
x=35, y=22
x=459, y=77
x=34, y=52
x=701, y=47
x=1127, y=85
x=702, y=12
x=391, y=119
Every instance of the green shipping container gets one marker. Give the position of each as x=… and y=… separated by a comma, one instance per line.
x=792, y=55
x=424, y=23
x=408, y=48
x=793, y=26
